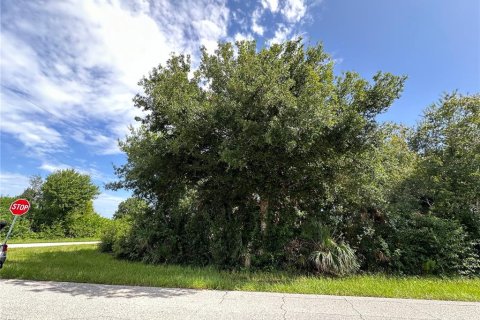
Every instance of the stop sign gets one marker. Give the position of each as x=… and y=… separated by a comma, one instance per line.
x=19, y=207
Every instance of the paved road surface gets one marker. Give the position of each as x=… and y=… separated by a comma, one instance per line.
x=49, y=244
x=21, y=299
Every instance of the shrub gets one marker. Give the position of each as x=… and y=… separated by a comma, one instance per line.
x=330, y=257
x=334, y=259
x=87, y=226
x=55, y=231
x=114, y=236
x=425, y=244
x=316, y=250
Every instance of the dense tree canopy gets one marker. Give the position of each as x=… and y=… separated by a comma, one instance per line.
x=266, y=158
x=63, y=192
x=250, y=148
x=448, y=141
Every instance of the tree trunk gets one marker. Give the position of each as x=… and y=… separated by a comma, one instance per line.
x=247, y=258
x=263, y=215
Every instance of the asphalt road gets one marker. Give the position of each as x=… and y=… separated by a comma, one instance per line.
x=49, y=244
x=21, y=299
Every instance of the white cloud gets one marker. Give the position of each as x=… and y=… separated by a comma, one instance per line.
x=50, y=167
x=282, y=33
x=271, y=5
x=94, y=173
x=13, y=184
x=106, y=204
x=242, y=36
x=294, y=10
x=36, y=135
x=256, y=27
x=101, y=143
x=338, y=60
x=70, y=68
x=73, y=66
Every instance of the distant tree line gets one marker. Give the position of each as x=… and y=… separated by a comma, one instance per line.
x=61, y=206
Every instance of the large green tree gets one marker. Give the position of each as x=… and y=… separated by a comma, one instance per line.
x=238, y=156
x=65, y=192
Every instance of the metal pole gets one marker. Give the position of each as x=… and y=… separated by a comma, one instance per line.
x=10, y=230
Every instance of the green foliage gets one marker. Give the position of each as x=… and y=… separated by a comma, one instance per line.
x=22, y=226
x=54, y=231
x=63, y=192
x=438, y=177
x=237, y=163
x=368, y=193
x=113, y=236
x=253, y=138
x=335, y=259
x=444, y=189
x=84, y=222
x=328, y=256
x=33, y=193
x=431, y=245
x=130, y=208
x=60, y=207
x=448, y=179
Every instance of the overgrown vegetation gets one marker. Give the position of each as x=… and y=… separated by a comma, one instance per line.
x=84, y=264
x=266, y=159
x=61, y=207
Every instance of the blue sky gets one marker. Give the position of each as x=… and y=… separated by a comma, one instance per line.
x=69, y=69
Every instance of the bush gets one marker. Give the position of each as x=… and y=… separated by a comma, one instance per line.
x=253, y=137
x=55, y=231
x=328, y=256
x=334, y=259
x=114, y=236
x=425, y=244
x=317, y=251
x=87, y=226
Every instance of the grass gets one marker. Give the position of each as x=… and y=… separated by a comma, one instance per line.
x=12, y=241
x=86, y=264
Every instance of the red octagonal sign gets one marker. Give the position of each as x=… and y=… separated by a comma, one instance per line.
x=19, y=207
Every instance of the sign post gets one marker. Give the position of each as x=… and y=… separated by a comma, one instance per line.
x=18, y=208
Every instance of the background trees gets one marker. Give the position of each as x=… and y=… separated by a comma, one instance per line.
x=441, y=197
x=22, y=226
x=448, y=142
x=61, y=206
x=130, y=208
x=63, y=193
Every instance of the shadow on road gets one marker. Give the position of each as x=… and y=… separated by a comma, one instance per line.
x=100, y=290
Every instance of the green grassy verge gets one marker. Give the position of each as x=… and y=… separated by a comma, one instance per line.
x=12, y=241
x=87, y=264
